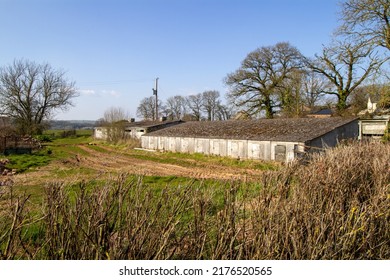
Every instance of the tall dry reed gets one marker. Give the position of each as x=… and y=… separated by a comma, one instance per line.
x=336, y=207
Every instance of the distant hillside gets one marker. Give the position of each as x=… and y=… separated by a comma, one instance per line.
x=72, y=124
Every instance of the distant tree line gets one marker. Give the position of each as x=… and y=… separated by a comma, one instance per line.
x=71, y=124
x=202, y=106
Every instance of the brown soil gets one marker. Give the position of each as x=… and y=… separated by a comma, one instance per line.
x=111, y=161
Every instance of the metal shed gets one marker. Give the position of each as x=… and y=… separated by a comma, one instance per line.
x=265, y=139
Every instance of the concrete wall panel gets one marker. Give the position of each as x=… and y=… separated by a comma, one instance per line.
x=233, y=148
x=259, y=150
x=254, y=150
x=214, y=146
x=177, y=144
x=185, y=145
x=223, y=151
x=171, y=144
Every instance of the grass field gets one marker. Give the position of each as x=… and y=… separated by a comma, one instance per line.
x=80, y=199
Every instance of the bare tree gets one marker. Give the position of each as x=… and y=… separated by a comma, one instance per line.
x=255, y=85
x=30, y=93
x=367, y=20
x=314, y=85
x=147, y=108
x=301, y=92
x=195, y=105
x=210, y=103
x=346, y=65
x=115, y=114
x=115, y=120
x=224, y=112
x=175, y=107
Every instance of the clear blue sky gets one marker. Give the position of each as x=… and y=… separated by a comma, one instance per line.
x=114, y=49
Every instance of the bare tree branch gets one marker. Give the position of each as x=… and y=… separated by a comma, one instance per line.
x=30, y=93
x=367, y=20
x=254, y=86
x=346, y=66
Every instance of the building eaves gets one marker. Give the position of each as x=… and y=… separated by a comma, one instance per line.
x=149, y=124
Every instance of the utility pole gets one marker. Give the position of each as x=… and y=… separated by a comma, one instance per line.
x=155, y=93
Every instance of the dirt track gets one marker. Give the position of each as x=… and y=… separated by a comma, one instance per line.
x=124, y=162
x=106, y=160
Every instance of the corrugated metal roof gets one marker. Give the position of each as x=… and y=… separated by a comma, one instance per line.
x=289, y=130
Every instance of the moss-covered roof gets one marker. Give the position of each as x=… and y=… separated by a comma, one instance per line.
x=289, y=130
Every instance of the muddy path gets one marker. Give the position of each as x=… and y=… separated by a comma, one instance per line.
x=124, y=161
x=107, y=160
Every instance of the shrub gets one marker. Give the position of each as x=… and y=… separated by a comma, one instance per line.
x=68, y=133
x=44, y=138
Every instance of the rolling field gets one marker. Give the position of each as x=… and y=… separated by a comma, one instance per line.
x=82, y=159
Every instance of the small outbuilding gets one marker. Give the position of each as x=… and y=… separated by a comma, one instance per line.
x=374, y=128
x=264, y=139
x=134, y=129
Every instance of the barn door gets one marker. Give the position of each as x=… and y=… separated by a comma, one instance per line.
x=280, y=153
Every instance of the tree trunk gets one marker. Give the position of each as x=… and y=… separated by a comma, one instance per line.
x=269, y=112
x=342, y=101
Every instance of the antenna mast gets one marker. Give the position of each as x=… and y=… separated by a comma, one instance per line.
x=155, y=93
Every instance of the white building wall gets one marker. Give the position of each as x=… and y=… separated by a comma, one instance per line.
x=199, y=146
x=214, y=147
x=237, y=148
x=171, y=144
x=233, y=146
x=290, y=150
x=100, y=133
x=185, y=143
x=243, y=149
x=202, y=146
x=259, y=149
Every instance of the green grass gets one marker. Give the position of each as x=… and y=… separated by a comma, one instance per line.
x=56, y=149
x=82, y=139
x=57, y=133
x=77, y=172
x=57, y=137
x=198, y=159
x=98, y=149
x=26, y=162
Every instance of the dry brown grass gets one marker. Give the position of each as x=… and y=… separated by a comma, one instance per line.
x=335, y=207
